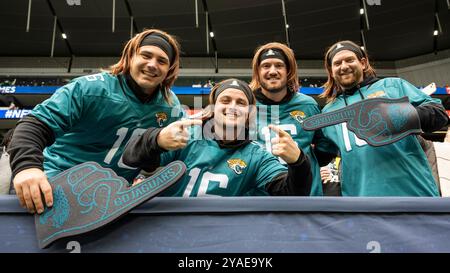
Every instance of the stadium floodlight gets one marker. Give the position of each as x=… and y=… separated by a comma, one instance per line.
x=28, y=16
x=436, y=32
x=114, y=16
x=211, y=34
x=196, y=13
x=283, y=9
x=64, y=36
x=437, y=22
x=363, y=11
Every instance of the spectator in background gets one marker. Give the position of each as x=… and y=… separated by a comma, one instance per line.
x=8, y=83
x=442, y=150
x=432, y=149
x=430, y=152
x=5, y=167
x=330, y=174
x=438, y=154
x=209, y=84
x=9, y=102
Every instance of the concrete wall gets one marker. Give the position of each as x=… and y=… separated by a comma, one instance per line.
x=425, y=69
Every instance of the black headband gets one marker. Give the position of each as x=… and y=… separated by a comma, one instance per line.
x=237, y=84
x=345, y=46
x=272, y=53
x=156, y=39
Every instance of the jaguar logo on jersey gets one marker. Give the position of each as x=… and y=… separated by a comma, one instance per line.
x=161, y=117
x=298, y=115
x=237, y=165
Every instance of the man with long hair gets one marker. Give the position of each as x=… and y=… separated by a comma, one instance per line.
x=275, y=84
x=396, y=169
x=93, y=117
x=220, y=157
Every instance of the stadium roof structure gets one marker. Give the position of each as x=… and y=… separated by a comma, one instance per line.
x=390, y=30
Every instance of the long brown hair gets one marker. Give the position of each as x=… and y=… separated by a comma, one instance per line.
x=132, y=47
x=292, y=76
x=331, y=88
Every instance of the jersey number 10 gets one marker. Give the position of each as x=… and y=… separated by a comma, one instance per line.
x=122, y=133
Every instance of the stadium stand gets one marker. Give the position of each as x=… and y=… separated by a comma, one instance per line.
x=406, y=39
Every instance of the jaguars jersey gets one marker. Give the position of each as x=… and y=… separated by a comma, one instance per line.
x=215, y=171
x=289, y=117
x=94, y=117
x=397, y=169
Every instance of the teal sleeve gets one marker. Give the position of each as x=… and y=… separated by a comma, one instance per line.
x=315, y=109
x=178, y=113
x=168, y=157
x=320, y=141
x=62, y=110
x=324, y=144
x=269, y=167
x=415, y=95
x=178, y=110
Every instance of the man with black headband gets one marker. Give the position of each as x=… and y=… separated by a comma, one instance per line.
x=275, y=85
x=220, y=158
x=93, y=117
x=396, y=169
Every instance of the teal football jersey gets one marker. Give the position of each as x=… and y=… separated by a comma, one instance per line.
x=289, y=117
x=215, y=171
x=397, y=169
x=94, y=117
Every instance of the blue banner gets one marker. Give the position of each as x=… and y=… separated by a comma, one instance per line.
x=14, y=114
x=28, y=89
x=178, y=90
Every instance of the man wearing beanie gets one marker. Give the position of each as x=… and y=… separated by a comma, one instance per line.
x=275, y=84
x=93, y=118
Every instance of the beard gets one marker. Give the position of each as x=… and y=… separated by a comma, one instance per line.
x=273, y=90
x=348, y=84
